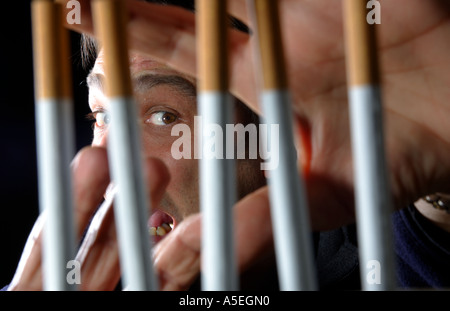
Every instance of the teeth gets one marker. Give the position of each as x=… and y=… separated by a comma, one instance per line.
x=161, y=230
x=166, y=227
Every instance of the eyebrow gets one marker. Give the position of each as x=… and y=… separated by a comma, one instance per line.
x=146, y=81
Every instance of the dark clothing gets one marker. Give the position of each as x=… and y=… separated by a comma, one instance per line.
x=422, y=255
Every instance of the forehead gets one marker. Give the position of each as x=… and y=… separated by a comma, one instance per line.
x=141, y=63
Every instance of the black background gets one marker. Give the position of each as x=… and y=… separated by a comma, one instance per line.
x=18, y=172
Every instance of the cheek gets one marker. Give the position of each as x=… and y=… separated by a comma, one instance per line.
x=183, y=185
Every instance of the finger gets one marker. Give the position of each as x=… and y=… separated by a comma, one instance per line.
x=91, y=178
x=90, y=172
x=253, y=228
x=177, y=257
x=164, y=30
x=99, y=254
x=28, y=274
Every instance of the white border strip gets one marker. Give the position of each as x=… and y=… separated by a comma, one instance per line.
x=289, y=210
x=131, y=201
x=373, y=201
x=218, y=196
x=55, y=150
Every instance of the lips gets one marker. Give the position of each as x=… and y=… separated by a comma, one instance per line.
x=160, y=224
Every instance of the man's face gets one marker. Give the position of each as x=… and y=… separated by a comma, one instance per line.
x=165, y=98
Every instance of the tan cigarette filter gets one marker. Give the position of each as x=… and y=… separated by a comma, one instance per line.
x=361, y=46
x=50, y=51
x=110, y=26
x=212, y=47
x=270, y=44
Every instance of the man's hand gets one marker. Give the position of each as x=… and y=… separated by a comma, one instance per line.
x=98, y=254
x=415, y=72
x=91, y=177
x=176, y=257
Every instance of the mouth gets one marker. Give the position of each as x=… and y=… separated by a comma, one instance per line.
x=159, y=225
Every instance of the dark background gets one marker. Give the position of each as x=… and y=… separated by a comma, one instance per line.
x=18, y=172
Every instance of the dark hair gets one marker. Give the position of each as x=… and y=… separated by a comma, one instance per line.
x=89, y=46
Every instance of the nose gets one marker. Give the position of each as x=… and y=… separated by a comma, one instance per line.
x=100, y=140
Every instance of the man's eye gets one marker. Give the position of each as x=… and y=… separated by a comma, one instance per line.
x=162, y=118
x=102, y=119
